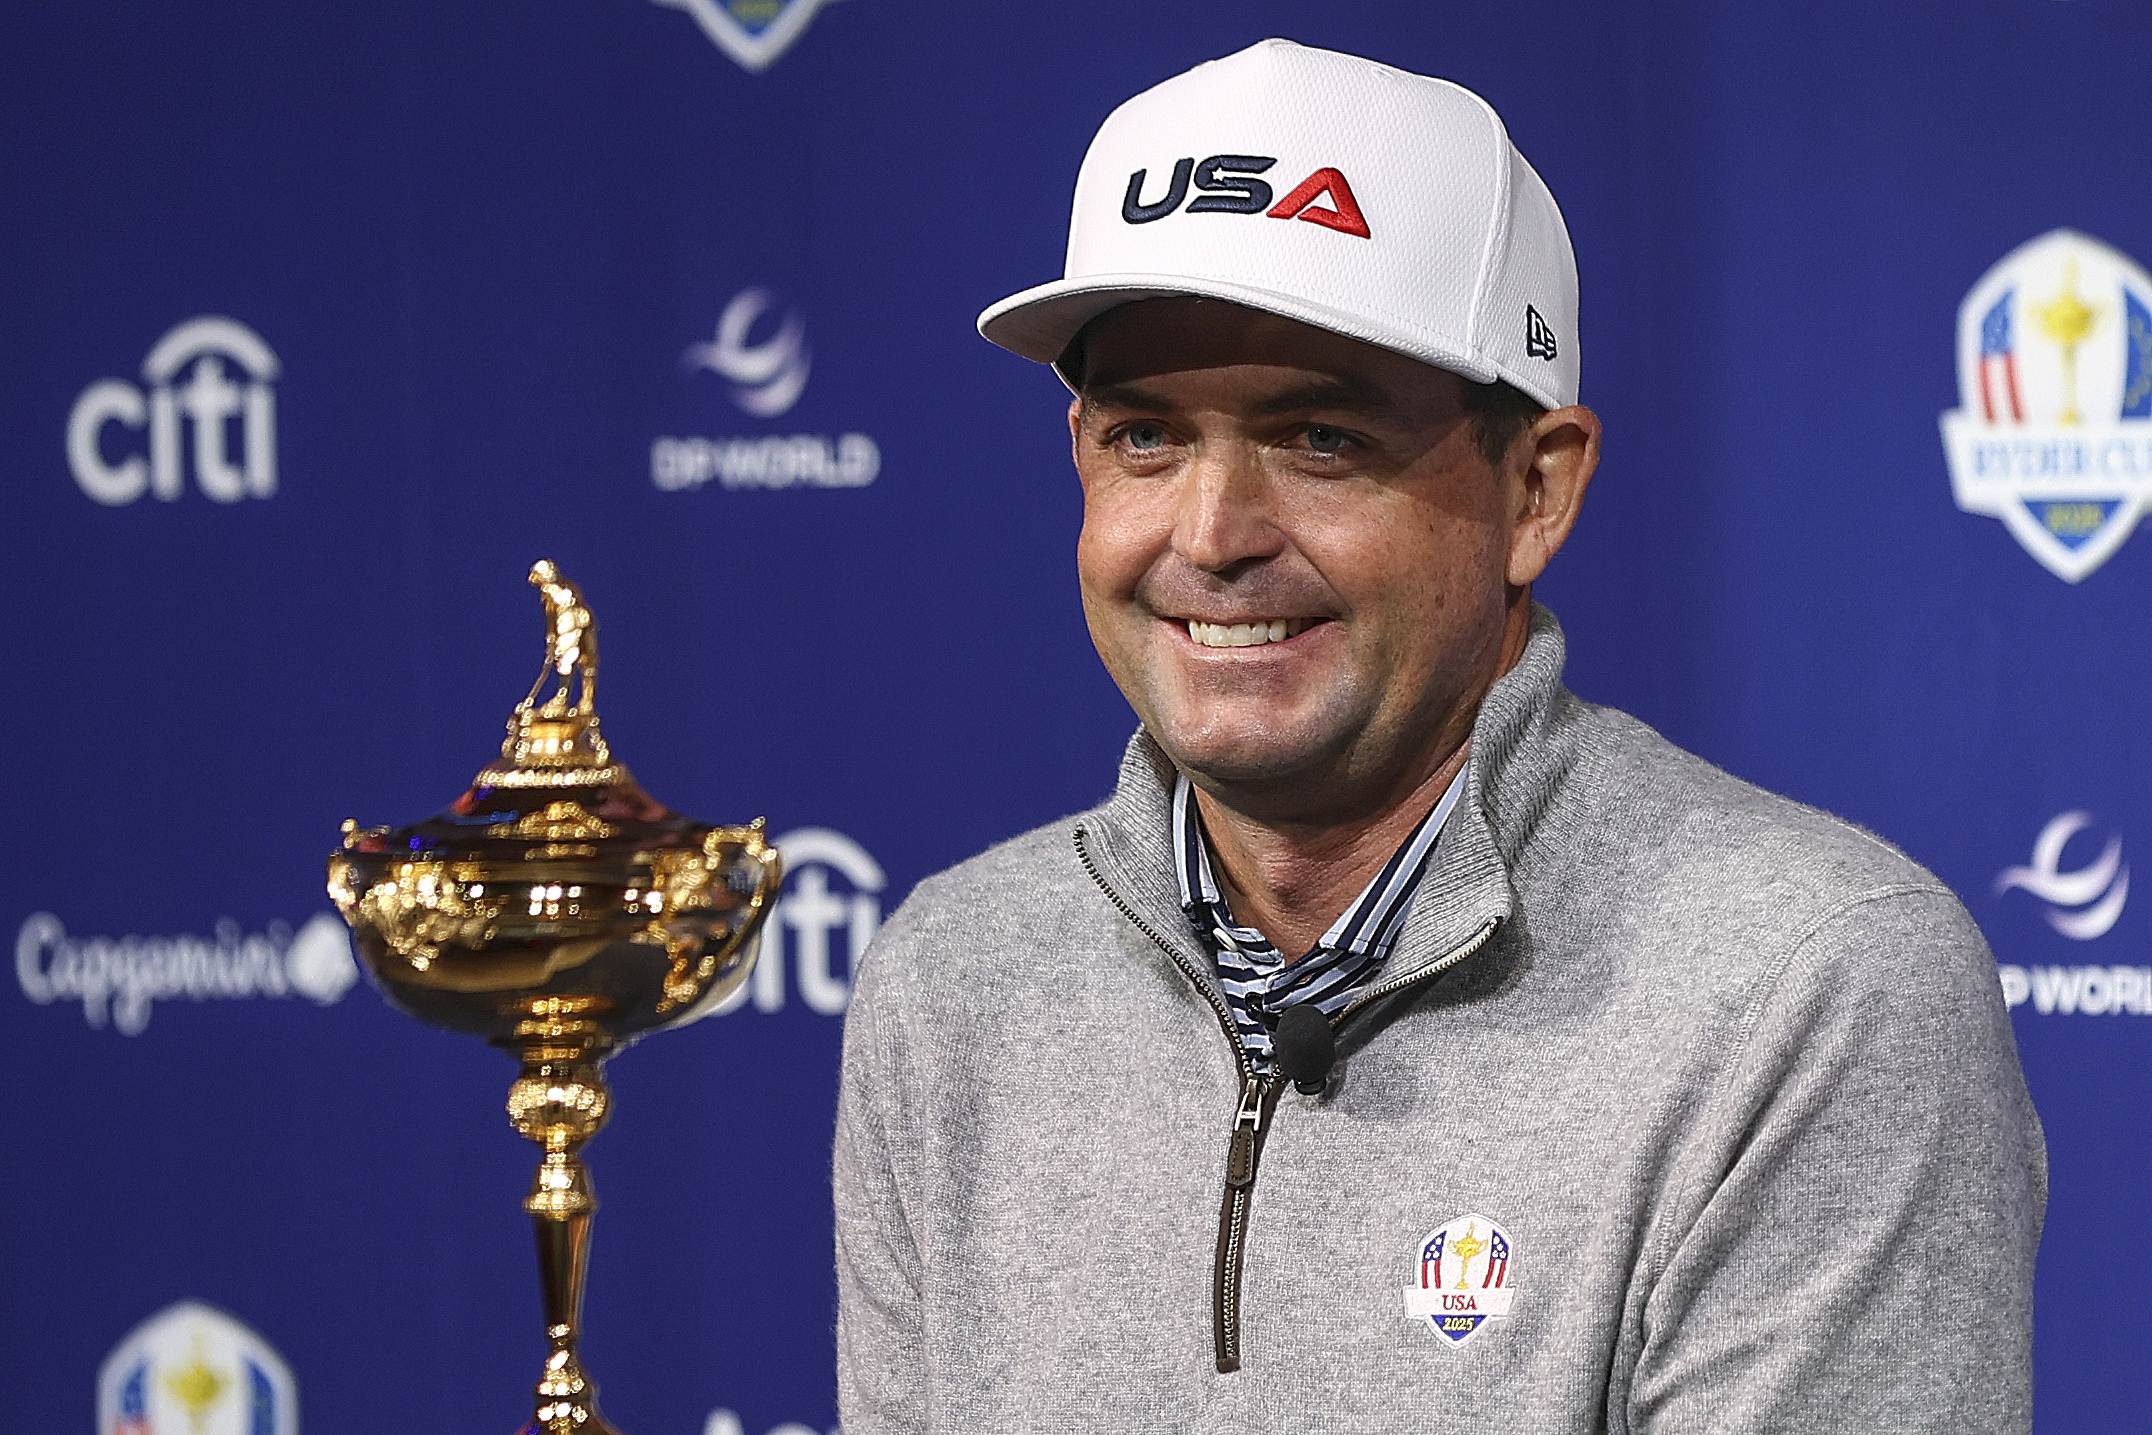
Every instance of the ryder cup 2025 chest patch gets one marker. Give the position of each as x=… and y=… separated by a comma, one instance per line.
x=1464, y=1278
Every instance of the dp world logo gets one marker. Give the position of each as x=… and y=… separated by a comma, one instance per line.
x=2082, y=902
x=208, y=408
x=767, y=376
x=2054, y=432
x=760, y=352
x=193, y=1370
x=753, y=32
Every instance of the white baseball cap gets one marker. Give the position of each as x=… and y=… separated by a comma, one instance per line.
x=1381, y=205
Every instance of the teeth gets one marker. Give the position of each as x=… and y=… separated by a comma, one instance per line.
x=1247, y=635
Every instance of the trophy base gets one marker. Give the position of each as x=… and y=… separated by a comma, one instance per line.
x=596, y=1424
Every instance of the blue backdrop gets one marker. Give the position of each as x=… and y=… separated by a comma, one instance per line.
x=680, y=294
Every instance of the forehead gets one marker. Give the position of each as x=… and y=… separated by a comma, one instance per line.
x=1158, y=339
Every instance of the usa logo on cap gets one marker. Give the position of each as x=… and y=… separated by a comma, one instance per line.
x=2054, y=432
x=1465, y=1278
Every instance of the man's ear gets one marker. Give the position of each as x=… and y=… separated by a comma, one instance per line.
x=1075, y=420
x=1553, y=462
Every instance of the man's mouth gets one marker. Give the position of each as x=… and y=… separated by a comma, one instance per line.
x=1247, y=635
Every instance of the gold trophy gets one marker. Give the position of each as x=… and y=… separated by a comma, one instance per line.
x=559, y=912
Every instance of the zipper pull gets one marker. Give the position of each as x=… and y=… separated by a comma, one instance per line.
x=1247, y=1126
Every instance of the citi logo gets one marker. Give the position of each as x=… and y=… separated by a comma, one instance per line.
x=209, y=409
x=2083, y=903
x=832, y=901
x=1228, y=184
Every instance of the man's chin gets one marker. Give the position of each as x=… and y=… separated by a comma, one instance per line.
x=1247, y=760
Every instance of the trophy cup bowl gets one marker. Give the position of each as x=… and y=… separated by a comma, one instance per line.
x=559, y=912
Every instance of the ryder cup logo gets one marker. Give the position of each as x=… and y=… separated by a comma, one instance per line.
x=209, y=381
x=1464, y=1279
x=193, y=1370
x=753, y=32
x=2055, y=378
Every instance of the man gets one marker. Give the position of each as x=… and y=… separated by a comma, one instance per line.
x=1406, y=1044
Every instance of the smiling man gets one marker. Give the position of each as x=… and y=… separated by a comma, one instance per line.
x=1406, y=1044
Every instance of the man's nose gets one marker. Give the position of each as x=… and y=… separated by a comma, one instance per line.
x=1226, y=515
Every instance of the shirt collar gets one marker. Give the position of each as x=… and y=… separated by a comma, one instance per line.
x=1369, y=922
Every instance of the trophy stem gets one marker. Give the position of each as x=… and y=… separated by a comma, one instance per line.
x=560, y=1101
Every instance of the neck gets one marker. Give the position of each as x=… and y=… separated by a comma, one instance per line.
x=1291, y=877
x=1291, y=881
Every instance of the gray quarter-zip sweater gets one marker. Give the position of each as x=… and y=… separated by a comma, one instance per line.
x=1730, y=1079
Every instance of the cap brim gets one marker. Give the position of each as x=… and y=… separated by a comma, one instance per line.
x=1039, y=322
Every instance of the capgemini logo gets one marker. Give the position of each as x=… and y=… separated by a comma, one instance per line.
x=2081, y=904
x=119, y=980
x=233, y=423
x=768, y=377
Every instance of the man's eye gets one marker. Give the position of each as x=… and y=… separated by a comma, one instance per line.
x=1327, y=440
x=1144, y=437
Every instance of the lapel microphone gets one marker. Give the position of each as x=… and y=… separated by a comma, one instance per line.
x=1304, y=1047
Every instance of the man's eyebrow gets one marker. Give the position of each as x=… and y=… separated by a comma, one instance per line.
x=1354, y=395
x=1124, y=396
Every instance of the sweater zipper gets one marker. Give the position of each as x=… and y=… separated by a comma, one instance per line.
x=1449, y=959
x=1251, y=1117
x=1258, y=1098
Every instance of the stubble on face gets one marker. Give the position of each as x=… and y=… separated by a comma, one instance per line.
x=1292, y=554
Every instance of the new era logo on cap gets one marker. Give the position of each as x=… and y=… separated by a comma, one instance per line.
x=1441, y=236
x=1227, y=184
x=1538, y=336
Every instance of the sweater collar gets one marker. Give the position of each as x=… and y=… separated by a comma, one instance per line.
x=1511, y=772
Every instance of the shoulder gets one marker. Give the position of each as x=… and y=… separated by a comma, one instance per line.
x=1744, y=922
x=998, y=879
x=1005, y=900
x=1701, y=869
x=1675, y=818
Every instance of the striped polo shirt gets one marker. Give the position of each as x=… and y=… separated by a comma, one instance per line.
x=1258, y=982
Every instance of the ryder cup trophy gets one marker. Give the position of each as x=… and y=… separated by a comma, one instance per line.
x=559, y=912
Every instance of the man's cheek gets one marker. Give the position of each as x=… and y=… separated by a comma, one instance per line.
x=1109, y=552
